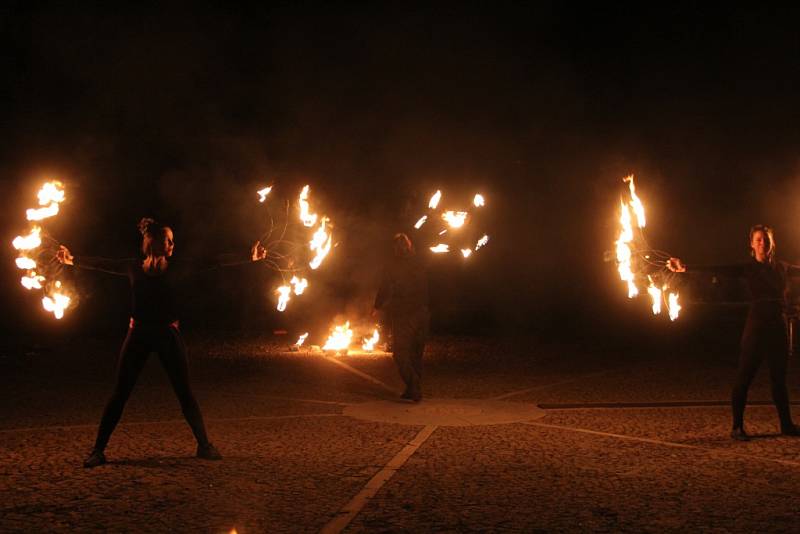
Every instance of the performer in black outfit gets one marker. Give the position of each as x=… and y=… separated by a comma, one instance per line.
x=765, y=332
x=153, y=328
x=403, y=294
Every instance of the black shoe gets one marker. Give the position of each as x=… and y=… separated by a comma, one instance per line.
x=95, y=458
x=208, y=452
x=739, y=434
x=790, y=430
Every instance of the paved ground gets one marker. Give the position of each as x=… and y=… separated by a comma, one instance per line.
x=625, y=443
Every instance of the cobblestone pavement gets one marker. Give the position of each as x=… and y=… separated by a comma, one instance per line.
x=613, y=453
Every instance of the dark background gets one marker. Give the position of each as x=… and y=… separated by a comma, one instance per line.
x=181, y=112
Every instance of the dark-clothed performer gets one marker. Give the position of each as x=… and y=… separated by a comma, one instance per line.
x=765, y=331
x=153, y=328
x=403, y=296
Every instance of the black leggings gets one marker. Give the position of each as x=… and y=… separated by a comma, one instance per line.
x=138, y=344
x=762, y=339
x=409, y=332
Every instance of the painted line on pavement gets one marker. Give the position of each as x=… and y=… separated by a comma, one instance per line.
x=649, y=405
x=651, y=441
x=361, y=374
x=350, y=510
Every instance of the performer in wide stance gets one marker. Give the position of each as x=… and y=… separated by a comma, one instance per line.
x=403, y=294
x=765, y=331
x=153, y=327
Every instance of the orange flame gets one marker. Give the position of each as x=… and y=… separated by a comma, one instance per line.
x=673, y=306
x=301, y=340
x=636, y=204
x=262, y=193
x=655, y=294
x=440, y=248
x=56, y=303
x=32, y=281
x=283, y=297
x=466, y=252
x=482, y=242
x=478, y=201
x=23, y=262
x=309, y=219
x=42, y=213
x=434, y=201
x=340, y=338
x=51, y=192
x=30, y=241
x=455, y=219
x=299, y=284
x=420, y=222
x=321, y=244
x=369, y=343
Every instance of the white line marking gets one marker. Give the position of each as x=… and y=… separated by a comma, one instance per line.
x=350, y=510
x=708, y=450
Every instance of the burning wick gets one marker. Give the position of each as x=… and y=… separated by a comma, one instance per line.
x=56, y=303
x=321, y=243
x=443, y=232
x=262, y=194
x=369, y=344
x=482, y=242
x=478, y=201
x=434, y=202
x=420, y=222
x=30, y=241
x=24, y=262
x=455, y=219
x=466, y=252
x=655, y=294
x=308, y=219
x=301, y=340
x=340, y=338
x=300, y=285
x=283, y=297
x=440, y=248
x=673, y=306
x=32, y=281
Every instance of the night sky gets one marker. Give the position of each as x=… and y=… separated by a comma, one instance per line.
x=182, y=112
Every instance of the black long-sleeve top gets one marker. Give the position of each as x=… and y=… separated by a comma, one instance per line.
x=767, y=282
x=404, y=287
x=154, y=297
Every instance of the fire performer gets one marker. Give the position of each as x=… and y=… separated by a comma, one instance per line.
x=765, y=331
x=153, y=328
x=403, y=295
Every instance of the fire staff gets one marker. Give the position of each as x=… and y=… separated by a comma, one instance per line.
x=153, y=328
x=765, y=332
x=403, y=295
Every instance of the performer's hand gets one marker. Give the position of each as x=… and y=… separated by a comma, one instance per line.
x=64, y=255
x=676, y=265
x=258, y=252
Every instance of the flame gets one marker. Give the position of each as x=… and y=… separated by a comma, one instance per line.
x=443, y=232
x=482, y=242
x=51, y=192
x=30, y=241
x=455, y=219
x=636, y=204
x=283, y=297
x=42, y=213
x=300, y=285
x=32, y=281
x=420, y=222
x=466, y=252
x=309, y=219
x=434, y=201
x=340, y=338
x=478, y=201
x=673, y=306
x=655, y=294
x=321, y=244
x=262, y=193
x=440, y=248
x=624, y=251
x=23, y=262
x=301, y=340
x=369, y=344
x=56, y=303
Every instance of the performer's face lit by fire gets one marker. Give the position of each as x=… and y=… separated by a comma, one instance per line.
x=164, y=244
x=761, y=244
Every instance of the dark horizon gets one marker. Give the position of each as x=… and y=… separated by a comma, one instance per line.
x=181, y=114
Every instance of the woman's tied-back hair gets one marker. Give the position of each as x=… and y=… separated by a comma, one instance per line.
x=767, y=231
x=151, y=230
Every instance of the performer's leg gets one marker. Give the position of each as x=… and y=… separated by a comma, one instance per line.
x=172, y=353
x=749, y=360
x=132, y=358
x=778, y=362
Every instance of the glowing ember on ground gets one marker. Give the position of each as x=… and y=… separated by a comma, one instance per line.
x=340, y=338
x=440, y=248
x=283, y=297
x=434, y=201
x=309, y=219
x=262, y=193
x=369, y=344
x=420, y=222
